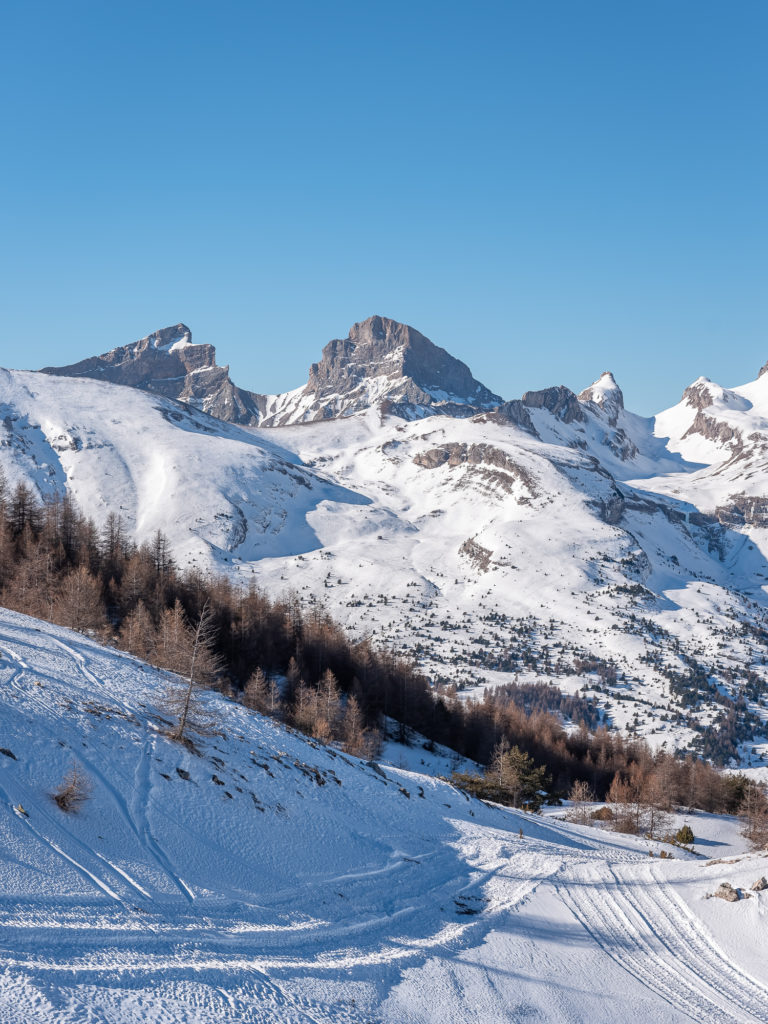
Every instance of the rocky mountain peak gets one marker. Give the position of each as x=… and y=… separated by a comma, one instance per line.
x=167, y=339
x=603, y=390
x=699, y=394
x=560, y=401
x=168, y=363
x=385, y=363
x=163, y=354
x=606, y=394
x=380, y=347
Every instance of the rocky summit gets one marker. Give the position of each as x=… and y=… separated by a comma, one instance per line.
x=169, y=364
x=382, y=363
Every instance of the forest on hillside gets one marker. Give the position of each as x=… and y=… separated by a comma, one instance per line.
x=300, y=666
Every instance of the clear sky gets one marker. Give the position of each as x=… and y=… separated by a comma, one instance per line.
x=546, y=188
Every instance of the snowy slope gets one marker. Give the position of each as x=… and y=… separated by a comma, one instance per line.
x=481, y=539
x=490, y=549
x=208, y=485
x=725, y=431
x=266, y=878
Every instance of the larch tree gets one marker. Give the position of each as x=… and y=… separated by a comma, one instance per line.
x=79, y=604
x=137, y=632
x=202, y=667
x=581, y=796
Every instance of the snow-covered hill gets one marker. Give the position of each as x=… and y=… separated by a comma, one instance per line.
x=266, y=878
x=724, y=431
x=211, y=487
x=555, y=537
x=497, y=553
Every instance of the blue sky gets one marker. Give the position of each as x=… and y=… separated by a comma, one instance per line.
x=546, y=189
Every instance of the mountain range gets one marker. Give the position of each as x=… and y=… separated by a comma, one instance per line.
x=552, y=537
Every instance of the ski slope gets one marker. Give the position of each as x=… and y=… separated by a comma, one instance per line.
x=266, y=878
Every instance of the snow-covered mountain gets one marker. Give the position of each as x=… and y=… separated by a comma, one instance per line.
x=212, y=487
x=387, y=365
x=381, y=363
x=262, y=877
x=724, y=431
x=168, y=363
x=552, y=537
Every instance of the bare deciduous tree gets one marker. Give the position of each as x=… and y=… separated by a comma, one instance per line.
x=754, y=815
x=197, y=648
x=137, y=633
x=74, y=790
x=581, y=796
x=79, y=604
x=358, y=741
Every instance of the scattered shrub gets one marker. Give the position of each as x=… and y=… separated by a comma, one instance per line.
x=74, y=790
x=602, y=814
x=684, y=836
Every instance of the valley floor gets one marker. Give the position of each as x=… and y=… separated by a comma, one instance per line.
x=266, y=878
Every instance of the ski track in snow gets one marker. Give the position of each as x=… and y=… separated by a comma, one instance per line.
x=652, y=935
x=168, y=901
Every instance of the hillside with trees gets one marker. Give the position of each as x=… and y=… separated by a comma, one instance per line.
x=301, y=667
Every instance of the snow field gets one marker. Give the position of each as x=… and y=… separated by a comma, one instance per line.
x=265, y=877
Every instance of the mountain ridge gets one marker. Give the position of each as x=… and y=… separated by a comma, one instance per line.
x=381, y=363
x=573, y=522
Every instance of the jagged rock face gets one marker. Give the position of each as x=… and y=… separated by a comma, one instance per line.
x=161, y=356
x=560, y=401
x=168, y=363
x=381, y=363
x=607, y=395
x=744, y=510
x=715, y=430
x=612, y=509
x=387, y=364
x=623, y=447
x=698, y=394
x=483, y=455
x=514, y=413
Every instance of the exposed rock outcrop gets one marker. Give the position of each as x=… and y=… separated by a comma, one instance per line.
x=698, y=394
x=169, y=364
x=514, y=413
x=611, y=509
x=725, y=891
x=622, y=446
x=714, y=430
x=743, y=510
x=384, y=364
x=560, y=401
x=459, y=454
x=606, y=394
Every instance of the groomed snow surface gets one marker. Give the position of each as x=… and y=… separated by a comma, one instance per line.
x=267, y=878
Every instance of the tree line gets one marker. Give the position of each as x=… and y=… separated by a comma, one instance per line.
x=290, y=662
